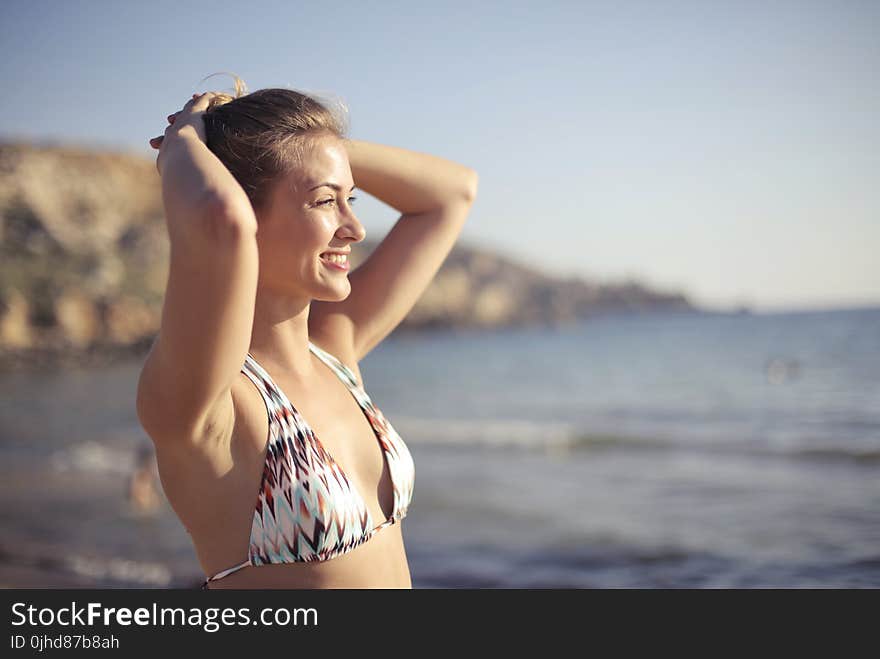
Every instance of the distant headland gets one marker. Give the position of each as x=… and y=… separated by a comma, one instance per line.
x=84, y=264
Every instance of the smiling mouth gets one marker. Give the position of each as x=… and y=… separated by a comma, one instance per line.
x=335, y=261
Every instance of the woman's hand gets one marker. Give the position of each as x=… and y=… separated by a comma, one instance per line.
x=190, y=117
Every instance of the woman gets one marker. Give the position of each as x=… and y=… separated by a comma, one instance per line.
x=265, y=438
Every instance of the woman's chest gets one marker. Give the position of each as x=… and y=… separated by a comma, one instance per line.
x=318, y=430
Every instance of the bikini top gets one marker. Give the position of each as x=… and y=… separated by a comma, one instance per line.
x=307, y=509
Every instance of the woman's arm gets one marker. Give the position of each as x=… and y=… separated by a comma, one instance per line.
x=434, y=196
x=207, y=316
x=198, y=176
x=409, y=181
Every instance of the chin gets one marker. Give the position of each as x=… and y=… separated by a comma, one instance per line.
x=333, y=294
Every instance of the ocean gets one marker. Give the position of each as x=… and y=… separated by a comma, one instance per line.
x=669, y=450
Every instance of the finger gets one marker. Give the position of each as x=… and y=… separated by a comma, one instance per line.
x=191, y=102
x=156, y=142
x=202, y=101
x=202, y=98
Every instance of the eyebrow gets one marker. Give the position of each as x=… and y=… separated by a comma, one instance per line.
x=330, y=185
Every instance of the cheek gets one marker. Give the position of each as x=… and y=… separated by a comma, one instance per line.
x=316, y=234
x=324, y=228
x=300, y=236
x=282, y=251
x=297, y=244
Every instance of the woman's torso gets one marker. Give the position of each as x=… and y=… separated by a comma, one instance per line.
x=215, y=492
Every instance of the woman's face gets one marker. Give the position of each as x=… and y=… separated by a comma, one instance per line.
x=306, y=216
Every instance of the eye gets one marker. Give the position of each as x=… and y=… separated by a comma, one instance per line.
x=332, y=201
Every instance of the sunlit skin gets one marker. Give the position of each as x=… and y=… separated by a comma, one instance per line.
x=301, y=216
x=213, y=486
x=304, y=221
x=300, y=222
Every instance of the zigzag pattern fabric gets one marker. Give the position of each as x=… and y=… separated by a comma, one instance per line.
x=307, y=509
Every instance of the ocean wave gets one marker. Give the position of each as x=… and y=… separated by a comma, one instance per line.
x=113, y=456
x=866, y=456
x=562, y=437
x=108, y=572
x=482, y=431
x=96, y=457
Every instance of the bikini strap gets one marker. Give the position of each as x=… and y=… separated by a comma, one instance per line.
x=336, y=365
x=228, y=571
x=273, y=397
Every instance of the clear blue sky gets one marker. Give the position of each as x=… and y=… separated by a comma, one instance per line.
x=727, y=149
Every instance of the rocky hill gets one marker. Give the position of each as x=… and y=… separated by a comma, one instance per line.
x=84, y=258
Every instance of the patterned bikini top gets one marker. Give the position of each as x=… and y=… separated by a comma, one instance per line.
x=307, y=509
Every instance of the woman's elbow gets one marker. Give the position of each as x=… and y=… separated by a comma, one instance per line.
x=471, y=185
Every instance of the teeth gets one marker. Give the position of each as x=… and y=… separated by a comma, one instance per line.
x=336, y=258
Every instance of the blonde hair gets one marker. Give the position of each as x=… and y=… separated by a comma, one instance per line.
x=262, y=135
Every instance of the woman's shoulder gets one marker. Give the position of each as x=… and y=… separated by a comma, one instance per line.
x=341, y=350
x=333, y=335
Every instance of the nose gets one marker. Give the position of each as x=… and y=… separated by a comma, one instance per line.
x=352, y=228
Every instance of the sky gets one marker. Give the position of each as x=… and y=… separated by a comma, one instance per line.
x=726, y=150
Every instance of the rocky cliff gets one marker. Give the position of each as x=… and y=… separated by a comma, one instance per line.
x=84, y=257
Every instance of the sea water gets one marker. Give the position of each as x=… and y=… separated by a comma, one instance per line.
x=660, y=451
